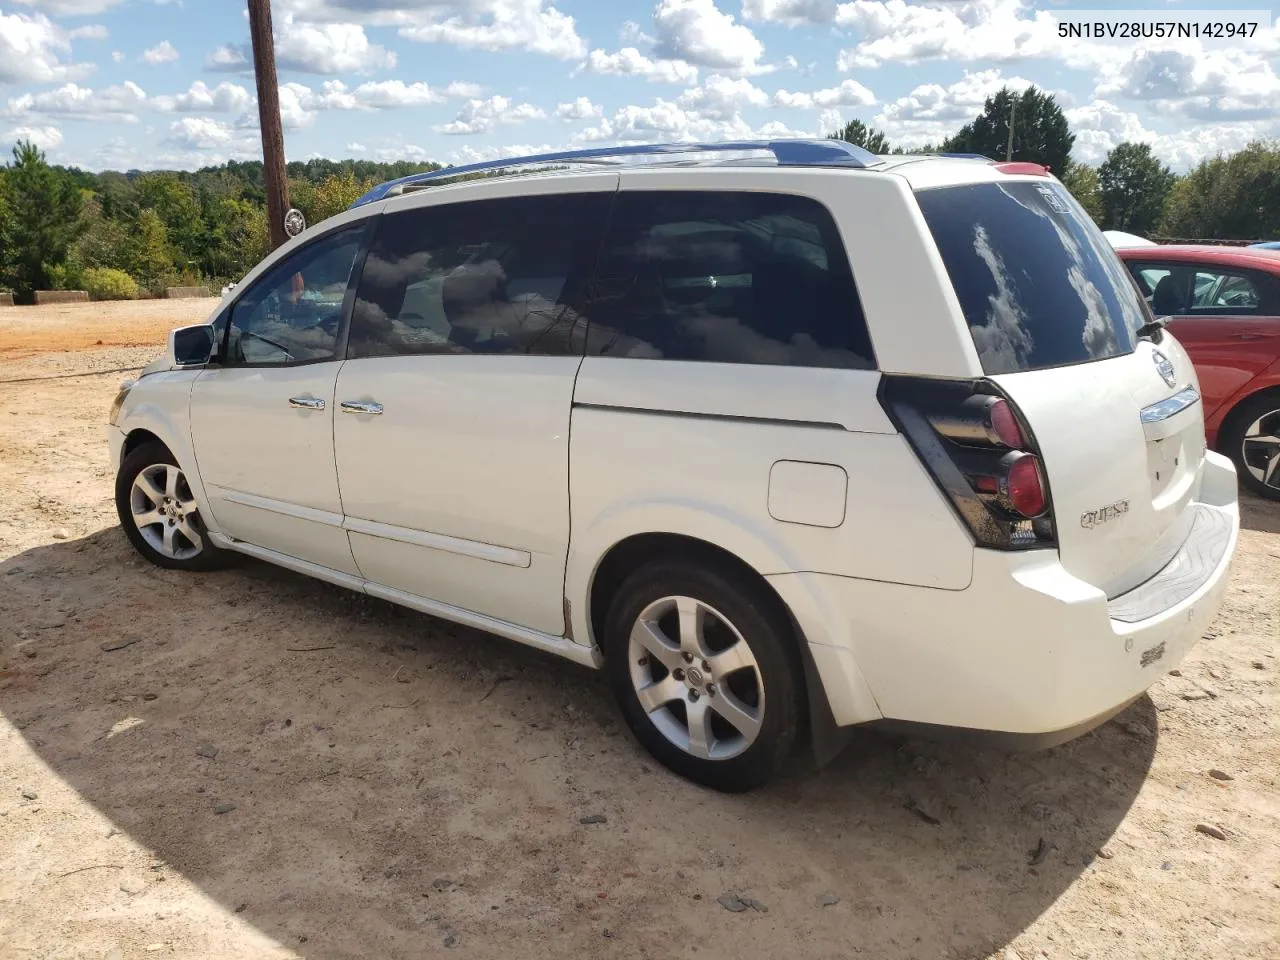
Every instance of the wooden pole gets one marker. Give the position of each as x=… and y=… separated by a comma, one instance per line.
x=1013, y=113
x=264, y=69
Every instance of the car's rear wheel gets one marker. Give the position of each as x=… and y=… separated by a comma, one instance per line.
x=705, y=673
x=159, y=513
x=1251, y=437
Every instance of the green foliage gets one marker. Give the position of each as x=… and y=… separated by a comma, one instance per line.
x=1134, y=186
x=1041, y=133
x=858, y=133
x=1082, y=180
x=43, y=219
x=106, y=283
x=150, y=257
x=1234, y=197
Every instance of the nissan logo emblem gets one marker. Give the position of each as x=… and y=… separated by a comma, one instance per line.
x=1164, y=366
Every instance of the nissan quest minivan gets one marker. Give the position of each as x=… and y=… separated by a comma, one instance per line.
x=786, y=437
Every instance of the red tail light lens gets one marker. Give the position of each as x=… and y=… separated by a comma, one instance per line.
x=1005, y=425
x=1026, y=486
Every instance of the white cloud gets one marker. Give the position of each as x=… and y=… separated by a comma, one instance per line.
x=199, y=98
x=329, y=48
x=357, y=148
x=684, y=121
x=792, y=13
x=493, y=25
x=46, y=138
x=1100, y=126
x=699, y=33
x=71, y=8
x=463, y=90
x=201, y=133
x=850, y=93
x=721, y=98
x=113, y=104
x=630, y=62
x=481, y=116
x=162, y=52
x=229, y=58
x=1187, y=80
x=389, y=94
x=579, y=109
x=999, y=31
x=32, y=50
x=117, y=56
x=931, y=112
x=470, y=154
x=93, y=31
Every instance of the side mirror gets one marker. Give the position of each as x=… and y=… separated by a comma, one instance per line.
x=192, y=346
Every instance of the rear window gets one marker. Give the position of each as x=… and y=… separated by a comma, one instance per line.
x=1039, y=284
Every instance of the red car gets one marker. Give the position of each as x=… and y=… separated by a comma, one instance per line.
x=1223, y=305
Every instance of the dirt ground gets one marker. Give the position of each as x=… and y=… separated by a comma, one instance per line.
x=251, y=764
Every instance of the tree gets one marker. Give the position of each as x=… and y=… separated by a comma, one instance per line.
x=44, y=219
x=1041, y=133
x=1082, y=181
x=858, y=133
x=1228, y=198
x=150, y=256
x=1134, y=186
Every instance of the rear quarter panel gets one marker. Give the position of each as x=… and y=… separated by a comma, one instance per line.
x=653, y=453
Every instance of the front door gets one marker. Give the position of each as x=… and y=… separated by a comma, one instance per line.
x=452, y=435
x=262, y=418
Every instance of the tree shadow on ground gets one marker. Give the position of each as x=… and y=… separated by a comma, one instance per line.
x=396, y=781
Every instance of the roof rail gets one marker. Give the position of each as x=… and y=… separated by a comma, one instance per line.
x=966, y=156
x=787, y=153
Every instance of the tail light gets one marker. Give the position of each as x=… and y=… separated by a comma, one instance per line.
x=982, y=455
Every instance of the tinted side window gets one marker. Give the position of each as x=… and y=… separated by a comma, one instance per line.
x=727, y=278
x=487, y=276
x=292, y=313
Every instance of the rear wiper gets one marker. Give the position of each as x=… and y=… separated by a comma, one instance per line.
x=1153, y=331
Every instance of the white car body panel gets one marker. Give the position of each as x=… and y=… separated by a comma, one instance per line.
x=491, y=488
x=440, y=488
x=268, y=467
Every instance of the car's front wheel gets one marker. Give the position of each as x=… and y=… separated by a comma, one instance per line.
x=1251, y=437
x=159, y=513
x=705, y=673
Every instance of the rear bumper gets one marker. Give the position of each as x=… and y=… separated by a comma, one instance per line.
x=1027, y=649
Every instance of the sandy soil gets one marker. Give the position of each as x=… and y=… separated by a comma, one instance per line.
x=251, y=764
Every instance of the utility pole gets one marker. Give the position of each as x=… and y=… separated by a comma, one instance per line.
x=1013, y=112
x=264, y=69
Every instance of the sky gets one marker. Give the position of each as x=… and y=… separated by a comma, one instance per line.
x=145, y=84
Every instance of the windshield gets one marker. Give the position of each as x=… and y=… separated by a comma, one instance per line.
x=1039, y=284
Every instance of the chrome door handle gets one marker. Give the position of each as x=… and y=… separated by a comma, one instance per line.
x=361, y=406
x=306, y=403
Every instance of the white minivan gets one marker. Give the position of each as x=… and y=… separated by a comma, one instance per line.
x=787, y=437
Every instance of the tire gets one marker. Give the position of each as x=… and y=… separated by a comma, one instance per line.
x=1257, y=416
x=748, y=669
x=177, y=539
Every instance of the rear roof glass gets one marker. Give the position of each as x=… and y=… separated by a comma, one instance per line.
x=1038, y=283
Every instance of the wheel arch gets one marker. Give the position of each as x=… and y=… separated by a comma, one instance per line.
x=823, y=736
x=1271, y=391
x=136, y=438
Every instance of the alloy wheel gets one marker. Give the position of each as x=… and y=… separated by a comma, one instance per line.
x=165, y=513
x=696, y=677
x=1260, y=451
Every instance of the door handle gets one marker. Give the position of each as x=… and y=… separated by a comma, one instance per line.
x=361, y=406
x=306, y=403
